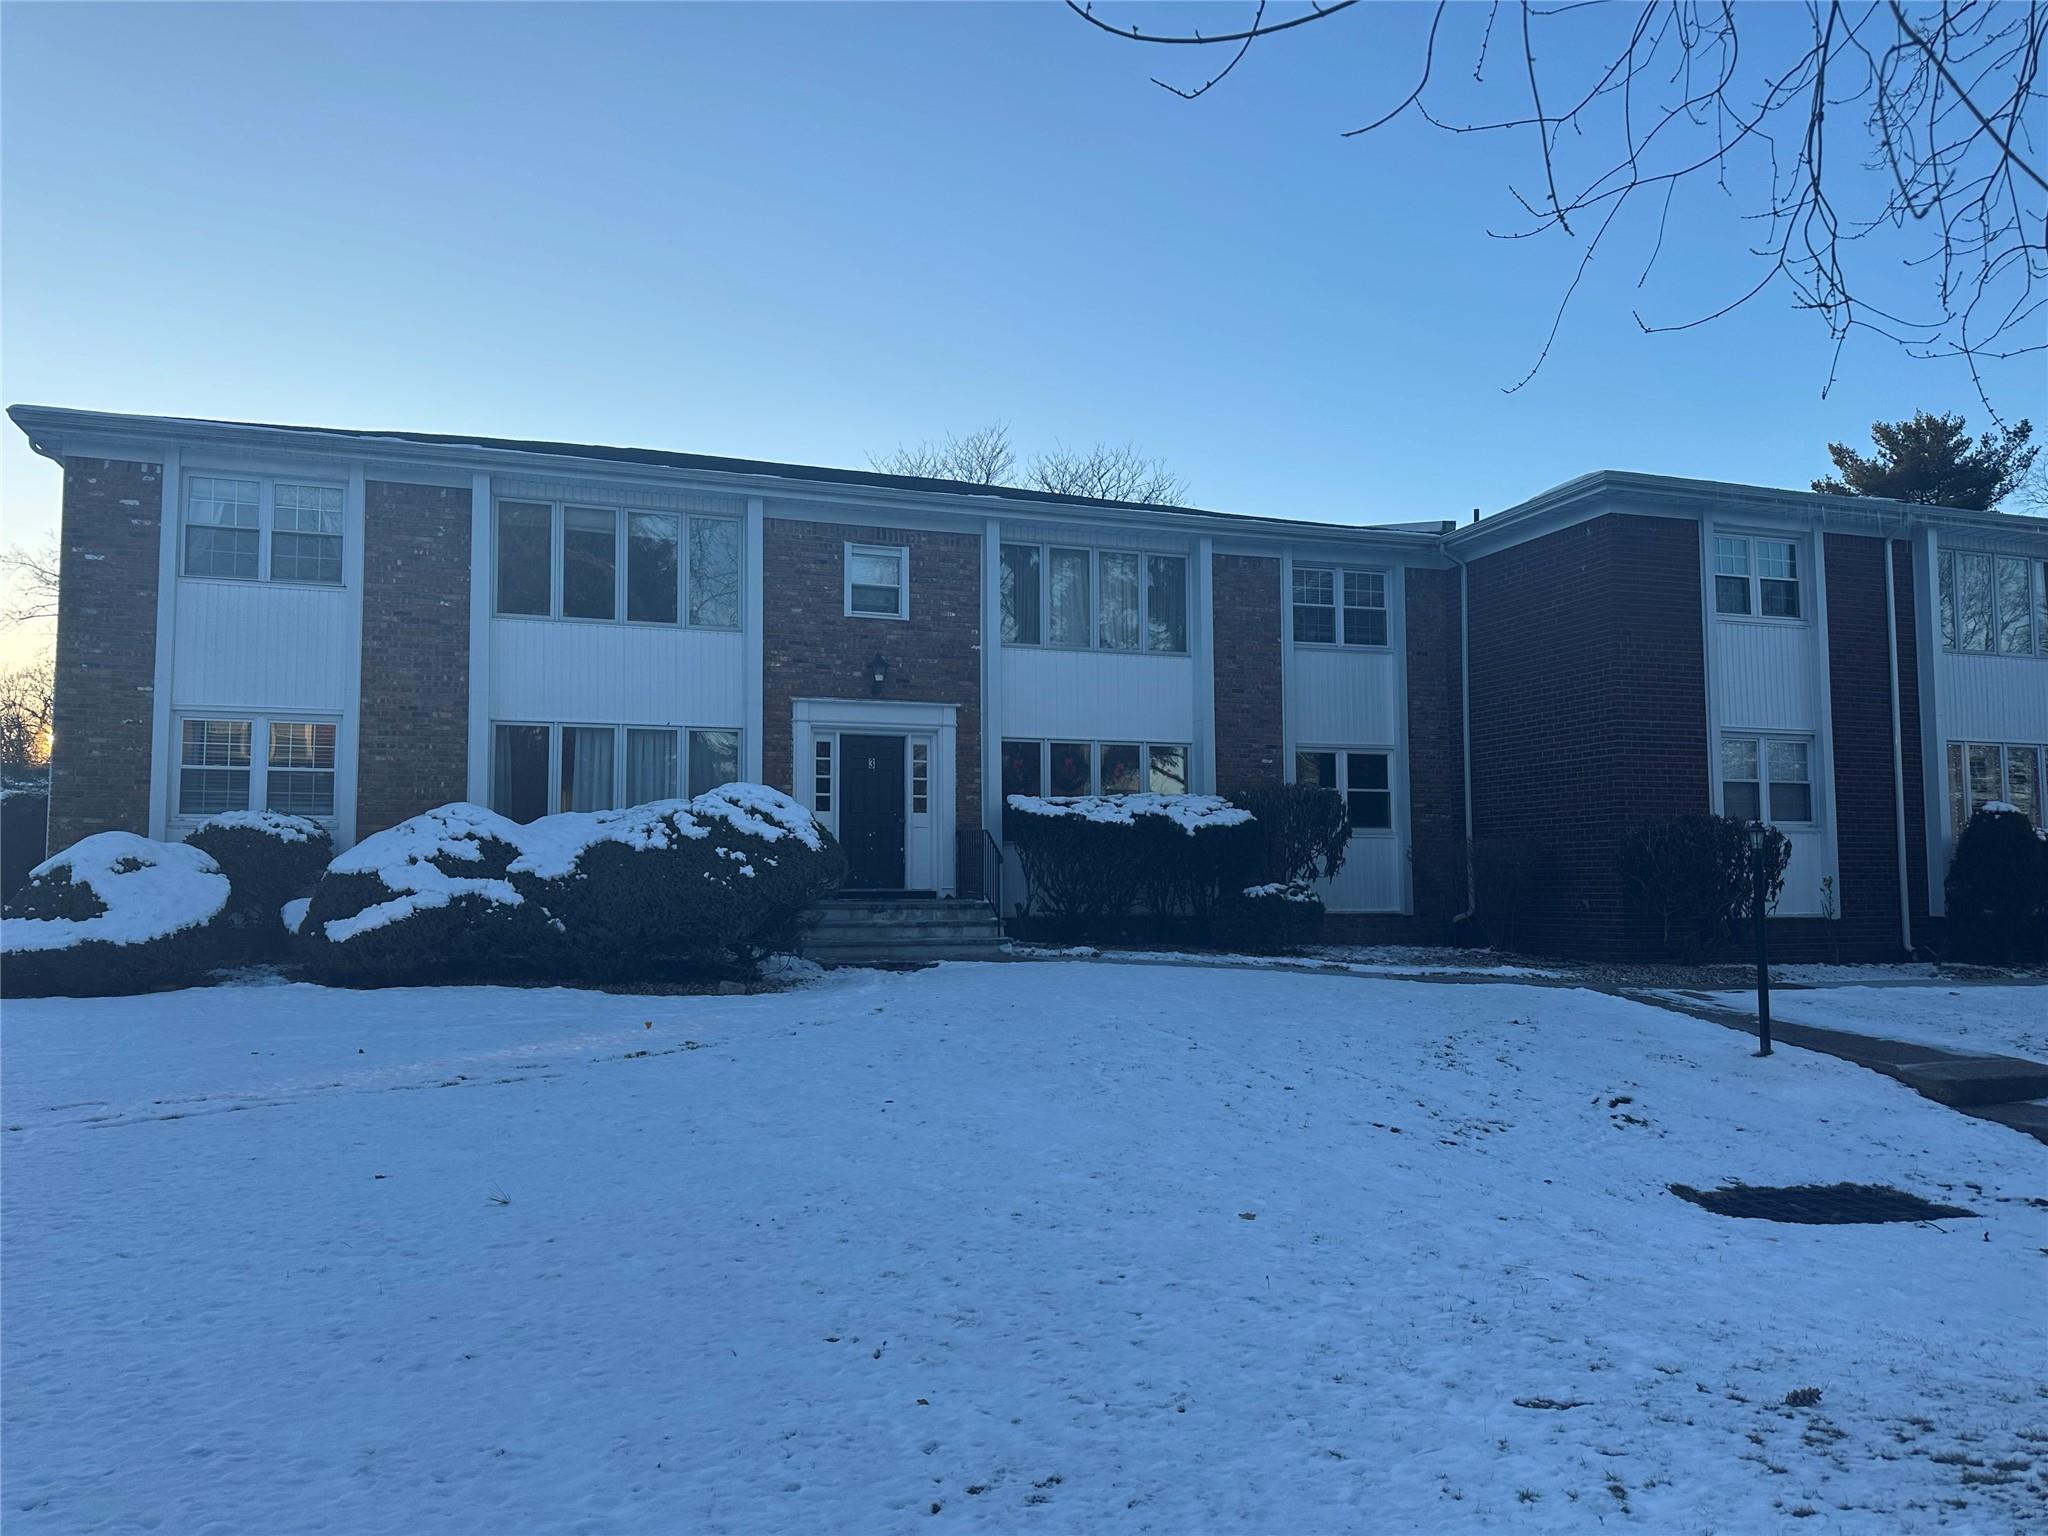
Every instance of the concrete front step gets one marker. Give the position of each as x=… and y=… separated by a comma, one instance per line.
x=910, y=930
x=903, y=954
x=1970, y=1082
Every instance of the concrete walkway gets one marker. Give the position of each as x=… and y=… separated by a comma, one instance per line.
x=2008, y=1089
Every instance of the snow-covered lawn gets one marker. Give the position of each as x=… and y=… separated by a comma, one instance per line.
x=1988, y=1020
x=1051, y=1248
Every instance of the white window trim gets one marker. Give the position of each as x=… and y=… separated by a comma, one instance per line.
x=1763, y=740
x=1093, y=621
x=266, y=519
x=1802, y=555
x=259, y=758
x=621, y=549
x=897, y=552
x=1337, y=575
x=554, y=728
x=1945, y=567
x=1392, y=828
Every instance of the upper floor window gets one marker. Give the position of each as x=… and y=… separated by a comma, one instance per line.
x=1752, y=766
x=1334, y=606
x=246, y=764
x=1993, y=604
x=1364, y=779
x=1109, y=599
x=1756, y=576
x=878, y=581
x=240, y=526
x=575, y=561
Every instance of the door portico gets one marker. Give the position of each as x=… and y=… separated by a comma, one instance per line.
x=847, y=794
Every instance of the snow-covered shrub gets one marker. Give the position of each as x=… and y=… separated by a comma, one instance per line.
x=679, y=887
x=1692, y=876
x=1998, y=888
x=1089, y=857
x=1304, y=831
x=1261, y=919
x=113, y=913
x=687, y=887
x=431, y=899
x=269, y=859
x=24, y=829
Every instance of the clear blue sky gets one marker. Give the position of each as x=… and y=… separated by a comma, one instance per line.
x=806, y=233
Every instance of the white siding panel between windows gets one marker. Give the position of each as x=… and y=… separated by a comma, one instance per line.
x=551, y=669
x=1991, y=698
x=1054, y=695
x=260, y=645
x=1348, y=696
x=1766, y=677
x=1373, y=878
x=1801, y=896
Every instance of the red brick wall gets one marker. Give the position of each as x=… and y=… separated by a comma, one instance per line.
x=1436, y=769
x=1588, y=709
x=413, y=746
x=106, y=648
x=812, y=649
x=1245, y=594
x=1859, y=687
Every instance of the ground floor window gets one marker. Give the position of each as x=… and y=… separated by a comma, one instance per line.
x=1767, y=778
x=1068, y=768
x=1987, y=773
x=1364, y=779
x=255, y=763
x=538, y=768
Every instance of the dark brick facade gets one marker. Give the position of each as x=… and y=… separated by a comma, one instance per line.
x=413, y=746
x=1436, y=766
x=812, y=649
x=110, y=549
x=1859, y=688
x=1245, y=593
x=1588, y=710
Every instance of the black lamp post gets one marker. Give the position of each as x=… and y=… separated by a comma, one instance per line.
x=1759, y=837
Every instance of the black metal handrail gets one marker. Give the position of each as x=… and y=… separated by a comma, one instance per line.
x=992, y=873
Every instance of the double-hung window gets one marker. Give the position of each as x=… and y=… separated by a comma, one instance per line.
x=255, y=763
x=1767, y=778
x=244, y=527
x=574, y=560
x=877, y=581
x=540, y=769
x=1756, y=576
x=1364, y=779
x=1993, y=604
x=1108, y=599
x=1991, y=773
x=1337, y=606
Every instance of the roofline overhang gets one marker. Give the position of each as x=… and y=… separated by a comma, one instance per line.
x=1626, y=490
x=47, y=426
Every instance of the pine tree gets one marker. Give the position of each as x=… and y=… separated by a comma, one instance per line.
x=1931, y=460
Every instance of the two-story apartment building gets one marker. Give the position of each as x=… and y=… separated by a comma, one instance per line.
x=359, y=625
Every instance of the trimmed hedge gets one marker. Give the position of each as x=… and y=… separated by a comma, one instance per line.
x=113, y=914
x=1264, y=919
x=269, y=859
x=667, y=891
x=1692, y=875
x=1304, y=831
x=1998, y=889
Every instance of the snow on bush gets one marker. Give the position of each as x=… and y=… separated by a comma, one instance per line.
x=1090, y=858
x=113, y=913
x=673, y=887
x=269, y=859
